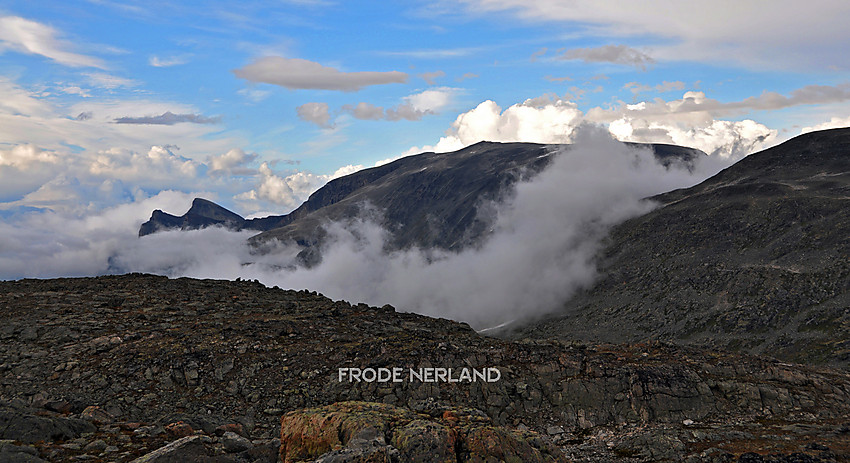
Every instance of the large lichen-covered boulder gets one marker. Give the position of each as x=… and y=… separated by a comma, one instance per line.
x=361, y=432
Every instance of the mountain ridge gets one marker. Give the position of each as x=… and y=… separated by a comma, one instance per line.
x=429, y=200
x=753, y=259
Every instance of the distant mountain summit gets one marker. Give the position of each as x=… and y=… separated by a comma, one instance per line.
x=754, y=259
x=202, y=214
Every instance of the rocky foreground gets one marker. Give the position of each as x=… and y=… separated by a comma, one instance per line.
x=145, y=368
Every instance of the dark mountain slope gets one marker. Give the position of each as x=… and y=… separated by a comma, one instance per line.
x=756, y=259
x=429, y=200
x=451, y=185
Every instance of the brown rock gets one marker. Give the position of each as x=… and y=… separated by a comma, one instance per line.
x=354, y=432
x=179, y=429
x=96, y=415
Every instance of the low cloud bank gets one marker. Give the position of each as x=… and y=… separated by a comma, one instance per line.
x=541, y=249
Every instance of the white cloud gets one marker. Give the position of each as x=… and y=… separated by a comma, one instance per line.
x=233, y=162
x=415, y=106
x=253, y=94
x=158, y=166
x=432, y=100
x=535, y=121
x=20, y=102
x=695, y=110
x=752, y=34
x=75, y=90
x=617, y=54
x=158, y=62
x=77, y=243
x=691, y=121
x=292, y=190
x=27, y=118
x=295, y=73
x=833, y=123
x=726, y=139
x=25, y=36
x=26, y=156
x=316, y=113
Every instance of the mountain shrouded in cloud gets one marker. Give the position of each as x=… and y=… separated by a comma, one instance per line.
x=540, y=250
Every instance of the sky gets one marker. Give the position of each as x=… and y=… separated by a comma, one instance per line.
x=254, y=104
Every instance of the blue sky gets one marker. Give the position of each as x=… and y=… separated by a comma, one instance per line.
x=256, y=104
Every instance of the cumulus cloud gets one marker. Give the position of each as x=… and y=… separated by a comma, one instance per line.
x=159, y=165
x=26, y=36
x=168, y=118
x=317, y=113
x=24, y=168
x=618, y=54
x=232, y=162
x=690, y=121
x=726, y=139
x=26, y=156
x=292, y=190
x=295, y=73
x=417, y=105
x=546, y=120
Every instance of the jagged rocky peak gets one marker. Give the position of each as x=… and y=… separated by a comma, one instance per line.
x=203, y=213
x=205, y=208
